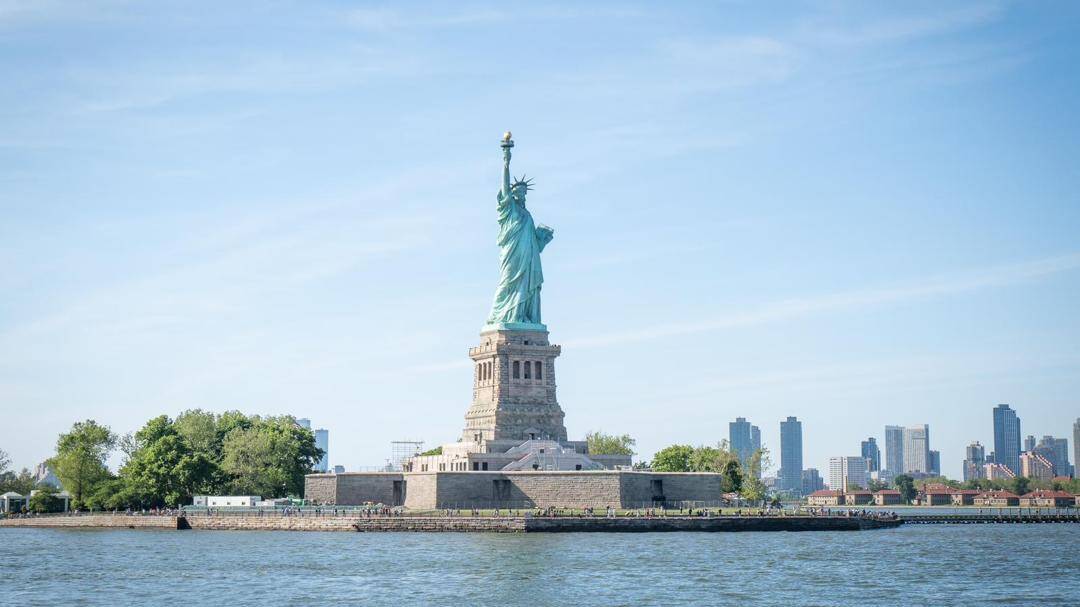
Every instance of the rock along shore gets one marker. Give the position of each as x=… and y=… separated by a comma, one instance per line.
x=507, y=524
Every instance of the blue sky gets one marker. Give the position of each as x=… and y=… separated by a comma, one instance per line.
x=856, y=214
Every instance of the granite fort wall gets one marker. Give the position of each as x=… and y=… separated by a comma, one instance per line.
x=572, y=489
x=639, y=489
x=95, y=520
x=354, y=488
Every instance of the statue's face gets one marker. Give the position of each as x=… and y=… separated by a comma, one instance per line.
x=519, y=194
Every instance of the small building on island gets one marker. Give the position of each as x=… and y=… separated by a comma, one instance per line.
x=1042, y=498
x=825, y=497
x=964, y=497
x=858, y=497
x=887, y=497
x=996, y=499
x=936, y=496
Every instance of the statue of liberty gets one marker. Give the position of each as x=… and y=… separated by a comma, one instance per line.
x=517, y=298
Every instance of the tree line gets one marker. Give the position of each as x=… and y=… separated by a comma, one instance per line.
x=167, y=461
x=736, y=476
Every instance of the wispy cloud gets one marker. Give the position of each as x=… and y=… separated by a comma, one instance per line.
x=386, y=19
x=903, y=28
x=153, y=83
x=996, y=276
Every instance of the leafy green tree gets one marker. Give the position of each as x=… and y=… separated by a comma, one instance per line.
x=610, y=444
x=164, y=470
x=753, y=490
x=1020, y=485
x=675, y=458
x=22, y=483
x=731, y=480
x=200, y=431
x=905, y=484
x=269, y=458
x=435, y=451
x=45, y=500
x=80, y=458
x=876, y=485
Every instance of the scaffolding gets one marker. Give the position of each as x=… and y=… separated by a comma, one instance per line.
x=402, y=450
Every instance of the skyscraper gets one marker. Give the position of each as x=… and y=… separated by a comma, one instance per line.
x=811, y=481
x=894, y=450
x=917, y=449
x=1076, y=446
x=791, y=455
x=1057, y=451
x=935, y=463
x=322, y=441
x=742, y=435
x=974, y=458
x=872, y=454
x=1029, y=442
x=847, y=471
x=1007, y=438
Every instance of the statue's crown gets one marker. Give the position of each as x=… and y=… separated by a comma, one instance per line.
x=524, y=183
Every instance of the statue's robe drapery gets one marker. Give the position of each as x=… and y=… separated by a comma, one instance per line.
x=517, y=299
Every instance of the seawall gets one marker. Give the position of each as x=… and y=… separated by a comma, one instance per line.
x=517, y=524
x=712, y=524
x=97, y=521
x=351, y=523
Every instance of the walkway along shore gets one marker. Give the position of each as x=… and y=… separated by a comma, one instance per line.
x=490, y=524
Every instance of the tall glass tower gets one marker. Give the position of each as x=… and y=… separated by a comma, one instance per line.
x=872, y=454
x=1007, y=438
x=791, y=455
x=894, y=450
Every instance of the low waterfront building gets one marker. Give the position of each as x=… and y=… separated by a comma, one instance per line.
x=225, y=501
x=964, y=497
x=936, y=496
x=887, y=497
x=860, y=497
x=1042, y=498
x=13, y=502
x=825, y=497
x=996, y=499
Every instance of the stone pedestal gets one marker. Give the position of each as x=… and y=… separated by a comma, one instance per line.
x=513, y=391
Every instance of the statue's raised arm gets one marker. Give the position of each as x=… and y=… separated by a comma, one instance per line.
x=507, y=144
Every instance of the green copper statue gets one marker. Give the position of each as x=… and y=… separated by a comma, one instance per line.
x=517, y=299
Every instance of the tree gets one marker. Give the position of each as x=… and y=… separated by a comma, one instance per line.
x=5, y=461
x=753, y=490
x=905, y=484
x=22, y=483
x=435, y=451
x=1020, y=485
x=200, y=431
x=164, y=470
x=269, y=458
x=675, y=458
x=80, y=458
x=45, y=500
x=610, y=444
x=731, y=474
x=876, y=485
